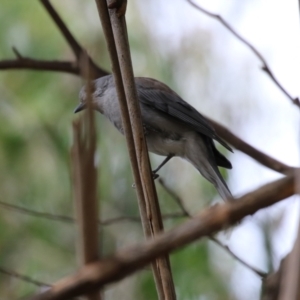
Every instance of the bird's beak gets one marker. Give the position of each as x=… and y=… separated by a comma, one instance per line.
x=79, y=108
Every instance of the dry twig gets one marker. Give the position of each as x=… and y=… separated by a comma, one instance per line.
x=22, y=277
x=79, y=52
x=70, y=220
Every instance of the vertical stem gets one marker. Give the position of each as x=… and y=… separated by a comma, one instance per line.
x=152, y=204
x=85, y=192
x=147, y=198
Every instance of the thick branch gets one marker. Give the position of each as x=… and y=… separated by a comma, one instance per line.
x=208, y=222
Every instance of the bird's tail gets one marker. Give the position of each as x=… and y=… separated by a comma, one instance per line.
x=204, y=161
x=221, y=185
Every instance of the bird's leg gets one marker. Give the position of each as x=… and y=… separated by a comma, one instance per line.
x=154, y=172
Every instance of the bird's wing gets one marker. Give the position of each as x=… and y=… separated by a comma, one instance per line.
x=167, y=101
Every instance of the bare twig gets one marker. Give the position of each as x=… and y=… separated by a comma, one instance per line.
x=35, y=213
x=244, y=147
x=23, y=278
x=265, y=66
x=63, y=28
x=75, y=46
x=70, y=220
x=258, y=272
x=175, y=197
x=209, y=221
x=17, y=53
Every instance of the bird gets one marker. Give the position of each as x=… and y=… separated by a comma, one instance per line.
x=172, y=127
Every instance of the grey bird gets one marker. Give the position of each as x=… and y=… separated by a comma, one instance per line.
x=172, y=127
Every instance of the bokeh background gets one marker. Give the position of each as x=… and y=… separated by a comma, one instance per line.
x=210, y=69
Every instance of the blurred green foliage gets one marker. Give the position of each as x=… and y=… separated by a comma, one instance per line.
x=35, y=136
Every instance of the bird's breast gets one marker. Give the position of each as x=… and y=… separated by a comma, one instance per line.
x=164, y=143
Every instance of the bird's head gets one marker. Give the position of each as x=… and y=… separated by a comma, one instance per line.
x=96, y=91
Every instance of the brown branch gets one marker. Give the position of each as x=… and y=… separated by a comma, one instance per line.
x=41, y=65
x=63, y=28
x=23, y=278
x=265, y=66
x=75, y=46
x=259, y=156
x=209, y=221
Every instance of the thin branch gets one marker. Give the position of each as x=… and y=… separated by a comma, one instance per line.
x=75, y=46
x=180, y=203
x=63, y=28
x=258, y=272
x=175, y=197
x=209, y=221
x=35, y=213
x=23, y=278
x=244, y=147
x=265, y=66
x=67, y=219
x=17, y=53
